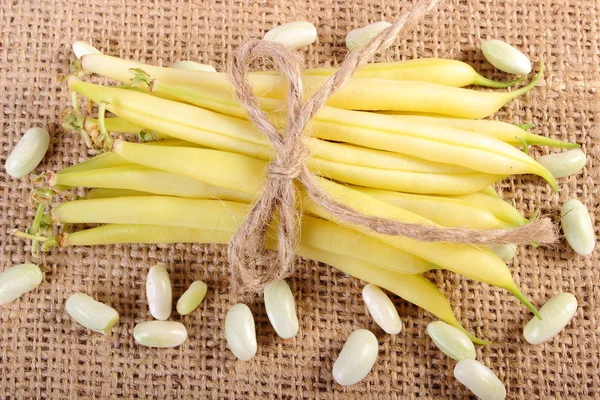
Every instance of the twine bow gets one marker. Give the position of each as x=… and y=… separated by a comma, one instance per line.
x=247, y=246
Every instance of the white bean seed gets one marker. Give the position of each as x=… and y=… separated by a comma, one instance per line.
x=28, y=153
x=192, y=298
x=160, y=333
x=505, y=57
x=505, y=251
x=556, y=314
x=240, y=332
x=577, y=227
x=159, y=293
x=193, y=66
x=360, y=37
x=356, y=358
x=281, y=309
x=565, y=163
x=479, y=379
x=90, y=313
x=82, y=48
x=382, y=309
x=293, y=35
x=451, y=341
x=18, y=280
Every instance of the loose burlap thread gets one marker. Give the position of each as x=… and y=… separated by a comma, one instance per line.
x=44, y=354
x=247, y=247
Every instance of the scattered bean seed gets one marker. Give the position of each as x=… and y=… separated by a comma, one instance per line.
x=159, y=293
x=240, y=332
x=505, y=57
x=360, y=37
x=17, y=281
x=28, y=153
x=505, y=251
x=382, y=309
x=293, y=35
x=577, y=227
x=356, y=358
x=565, y=163
x=451, y=341
x=479, y=379
x=160, y=333
x=192, y=298
x=281, y=309
x=556, y=314
x=90, y=313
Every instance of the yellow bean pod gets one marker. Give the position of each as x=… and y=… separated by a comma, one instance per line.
x=446, y=211
x=104, y=160
x=111, y=160
x=113, y=124
x=441, y=71
x=405, y=181
x=508, y=133
x=490, y=191
x=144, y=179
x=102, y=193
x=497, y=206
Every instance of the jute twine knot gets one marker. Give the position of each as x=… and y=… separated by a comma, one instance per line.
x=291, y=166
x=247, y=247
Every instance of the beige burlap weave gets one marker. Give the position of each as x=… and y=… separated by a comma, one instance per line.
x=43, y=354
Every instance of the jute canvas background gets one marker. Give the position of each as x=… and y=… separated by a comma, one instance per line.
x=43, y=354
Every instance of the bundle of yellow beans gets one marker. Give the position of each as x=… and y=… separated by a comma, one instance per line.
x=400, y=140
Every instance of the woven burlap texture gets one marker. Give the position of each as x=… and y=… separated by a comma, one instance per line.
x=44, y=354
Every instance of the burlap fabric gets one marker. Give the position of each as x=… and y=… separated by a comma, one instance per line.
x=44, y=354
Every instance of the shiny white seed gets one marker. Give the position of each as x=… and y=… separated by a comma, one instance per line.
x=556, y=314
x=565, y=163
x=158, y=291
x=479, y=379
x=293, y=35
x=382, y=309
x=193, y=66
x=281, y=309
x=28, y=153
x=356, y=358
x=451, y=341
x=160, y=333
x=18, y=280
x=577, y=227
x=191, y=299
x=505, y=251
x=360, y=37
x=82, y=48
x=240, y=332
x=505, y=57
x=90, y=313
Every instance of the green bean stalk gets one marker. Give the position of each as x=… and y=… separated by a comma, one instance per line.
x=40, y=199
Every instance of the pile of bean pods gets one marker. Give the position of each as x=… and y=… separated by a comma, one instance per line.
x=401, y=140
